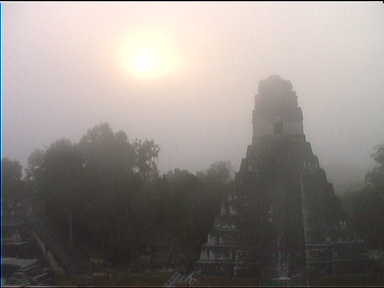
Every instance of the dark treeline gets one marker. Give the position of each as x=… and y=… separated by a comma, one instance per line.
x=366, y=205
x=105, y=196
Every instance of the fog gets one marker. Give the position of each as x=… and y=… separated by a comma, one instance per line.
x=62, y=76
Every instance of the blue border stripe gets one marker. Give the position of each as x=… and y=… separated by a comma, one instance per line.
x=1, y=137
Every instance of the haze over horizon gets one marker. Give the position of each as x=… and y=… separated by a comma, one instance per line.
x=63, y=74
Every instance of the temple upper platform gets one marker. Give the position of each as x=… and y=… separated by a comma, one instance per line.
x=276, y=111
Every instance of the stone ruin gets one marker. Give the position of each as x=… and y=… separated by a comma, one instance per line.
x=283, y=221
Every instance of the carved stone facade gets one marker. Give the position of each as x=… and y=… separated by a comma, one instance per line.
x=220, y=254
x=283, y=207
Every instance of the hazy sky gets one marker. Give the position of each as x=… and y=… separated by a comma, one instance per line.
x=63, y=75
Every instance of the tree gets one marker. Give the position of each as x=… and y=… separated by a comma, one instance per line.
x=99, y=189
x=194, y=203
x=219, y=172
x=146, y=154
x=107, y=191
x=366, y=206
x=375, y=177
x=60, y=186
x=33, y=175
x=13, y=185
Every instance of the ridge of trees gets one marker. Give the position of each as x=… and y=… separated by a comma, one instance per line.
x=365, y=206
x=104, y=193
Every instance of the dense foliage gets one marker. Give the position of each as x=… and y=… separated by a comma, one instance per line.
x=106, y=195
x=12, y=186
x=366, y=205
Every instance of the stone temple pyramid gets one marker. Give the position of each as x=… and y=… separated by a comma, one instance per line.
x=283, y=220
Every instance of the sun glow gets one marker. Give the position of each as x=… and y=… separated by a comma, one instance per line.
x=148, y=55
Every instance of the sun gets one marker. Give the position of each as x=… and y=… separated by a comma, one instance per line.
x=146, y=60
x=148, y=55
